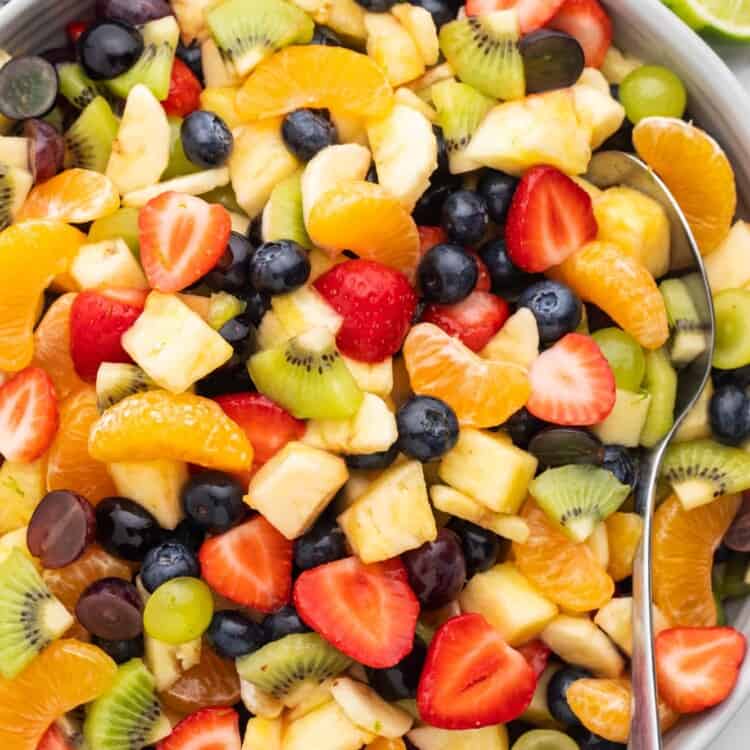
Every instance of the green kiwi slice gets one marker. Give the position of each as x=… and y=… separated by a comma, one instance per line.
x=661, y=383
x=282, y=216
x=75, y=85
x=179, y=165
x=483, y=50
x=122, y=224
x=732, y=308
x=688, y=334
x=291, y=664
x=118, y=380
x=308, y=377
x=88, y=142
x=578, y=497
x=14, y=187
x=30, y=616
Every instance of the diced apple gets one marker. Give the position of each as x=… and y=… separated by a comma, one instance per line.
x=374, y=378
x=598, y=111
x=419, y=23
x=303, y=309
x=365, y=708
x=309, y=699
x=616, y=619
x=391, y=46
x=617, y=65
x=168, y=662
x=697, y=423
x=14, y=152
x=406, y=96
x=107, y=264
x=625, y=422
x=263, y=734
x=326, y=728
x=728, y=267
x=517, y=341
x=432, y=738
x=258, y=702
x=595, y=78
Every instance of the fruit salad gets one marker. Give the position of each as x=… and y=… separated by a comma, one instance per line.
x=325, y=378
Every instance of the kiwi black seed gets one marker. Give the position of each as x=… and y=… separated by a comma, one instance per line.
x=118, y=380
x=14, y=187
x=75, y=85
x=88, y=142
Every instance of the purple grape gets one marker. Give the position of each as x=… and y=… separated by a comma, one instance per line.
x=46, y=149
x=111, y=608
x=134, y=12
x=738, y=536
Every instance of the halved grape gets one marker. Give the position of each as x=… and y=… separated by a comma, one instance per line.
x=111, y=608
x=46, y=149
x=134, y=12
x=566, y=445
x=732, y=349
x=551, y=60
x=625, y=357
x=179, y=611
x=544, y=739
x=28, y=87
x=652, y=91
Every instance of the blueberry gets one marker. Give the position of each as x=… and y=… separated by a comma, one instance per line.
x=400, y=681
x=429, y=208
x=481, y=546
x=427, y=428
x=377, y=6
x=307, y=131
x=730, y=414
x=109, y=48
x=447, y=274
x=213, y=501
x=440, y=10
x=443, y=166
x=206, y=139
x=380, y=460
x=503, y=273
x=557, y=691
x=225, y=380
x=326, y=37
x=166, y=561
x=279, y=267
x=240, y=333
x=522, y=426
x=437, y=570
x=191, y=56
x=257, y=303
x=589, y=741
x=188, y=534
x=465, y=217
x=230, y=274
x=556, y=309
x=126, y=529
x=497, y=189
x=120, y=651
x=283, y=622
x=232, y=634
x=324, y=543
x=372, y=175
x=620, y=461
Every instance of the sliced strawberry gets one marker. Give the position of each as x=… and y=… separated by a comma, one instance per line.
x=472, y=678
x=484, y=283
x=474, y=320
x=537, y=655
x=572, y=383
x=550, y=217
x=268, y=427
x=182, y=238
x=368, y=612
x=55, y=739
x=429, y=237
x=533, y=14
x=97, y=322
x=207, y=729
x=697, y=668
x=132, y=297
x=377, y=304
x=184, y=91
x=250, y=564
x=74, y=30
x=28, y=415
x=588, y=22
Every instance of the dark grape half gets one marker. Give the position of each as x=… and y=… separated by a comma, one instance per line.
x=551, y=60
x=111, y=608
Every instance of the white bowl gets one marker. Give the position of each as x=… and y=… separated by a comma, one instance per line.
x=644, y=27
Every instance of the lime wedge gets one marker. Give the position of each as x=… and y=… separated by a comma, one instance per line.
x=728, y=18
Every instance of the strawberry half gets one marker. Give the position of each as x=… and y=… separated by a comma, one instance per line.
x=533, y=14
x=184, y=91
x=484, y=283
x=474, y=320
x=97, y=322
x=472, y=678
x=697, y=668
x=28, y=415
x=207, y=729
x=182, y=238
x=572, y=383
x=250, y=564
x=55, y=739
x=537, y=655
x=368, y=612
x=550, y=217
x=589, y=23
x=377, y=304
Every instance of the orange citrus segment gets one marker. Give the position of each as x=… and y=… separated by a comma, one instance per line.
x=482, y=392
x=621, y=286
x=75, y=196
x=157, y=424
x=624, y=531
x=684, y=545
x=696, y=170
x=31, y=255
x=315, y=76
x=64, y=676
x=567, y=573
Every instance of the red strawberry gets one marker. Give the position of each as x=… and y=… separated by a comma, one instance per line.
x=533, y=14
x=74, y=30
x=472, y=678
x=368, y=612
x=377, y=304
x=697, y=668
x=484, y=283
x=97, y=322
x=184, y=91
x=474, y=320
x=55, y=739
x=550, y=217
x=251, y=564
x=572, y=383
x=429, y=237
x=182, y=238
x=267, y=426
x=132, y=297
x=589, y=23
x=28, y=415
x=537, y=655
x=207, y=729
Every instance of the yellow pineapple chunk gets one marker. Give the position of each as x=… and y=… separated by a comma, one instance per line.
x=168, y=662
x=222, y=100
x=618, y=66
x=615, y=618
x=327, y=727
x=420, y=24
x=22, y=486
x=374, y=378
x=517, y=341
x=391, y=46
x=263, y=734
x=598, y=110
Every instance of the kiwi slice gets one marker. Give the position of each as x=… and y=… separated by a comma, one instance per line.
x=291, y=664
x=688, y=334
x=246, y=32
x=88, y=142
x=702, y=470
x=179, y=165
x=117, y=380
x=122, y=224
x=30, y=616
x=15, y=184
x=282, y=216
x=75, y=85
x=483, y=51
x=732, y=308
x=460, y=109
x=308, y=377
x=661, y=383
x=222, y=308
x=129, y=716
x=578, y=497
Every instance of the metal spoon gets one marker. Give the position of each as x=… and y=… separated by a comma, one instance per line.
x=607, y=169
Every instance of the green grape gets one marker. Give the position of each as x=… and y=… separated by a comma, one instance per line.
x=122, y=223
x=544, y=739
x=625, y=357
x=179, y=165
x=178, y=611
x=732, y=349
x=652, y=91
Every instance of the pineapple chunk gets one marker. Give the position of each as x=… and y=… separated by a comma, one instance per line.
x=345, y=17
x=217, y=72
x=271, y=334
x=421, y=26
x=392, y=516
x=432, y=738
x=222, y=101
x=517, y=341
x=22, y=486
x=307, y=698
x=407, y=97
x=697, y=422
x=538, y=713
x=304, y=309
x=321, y=262
x=17, y=540
x=258, y=702
x=240, y=223
x=107, y=263
x=594, y=78
x=616, y=619
x=490, y=469
x=326, y=728
x=294, y=487
x=174, y=345
x=598, y=111
x=509, y=602
x=263, y=734
x=625, y=422
x=598, y=543
x=191, y=15
x=728, y=267
x=372, y=378
x=391, y=46
x=593, y=191
x=617, y=66
x=365, y=708
x=350, y=128
x=167, y=663
x=14, y=152
x=156, y=485
x=360, y=480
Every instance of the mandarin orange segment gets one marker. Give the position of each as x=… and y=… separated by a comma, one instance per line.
x=567, y=573
x=482, y=392
x=684, y=542
x=385, y=743
x=64, y=676
x=183, y=427
x=75, y=196
x=621, y=286
x=624, y=532
x=31, y=255
x=315, y=76
x=696, y=170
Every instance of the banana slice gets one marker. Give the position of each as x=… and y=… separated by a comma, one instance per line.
x=365, y=708
x=192, y=184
